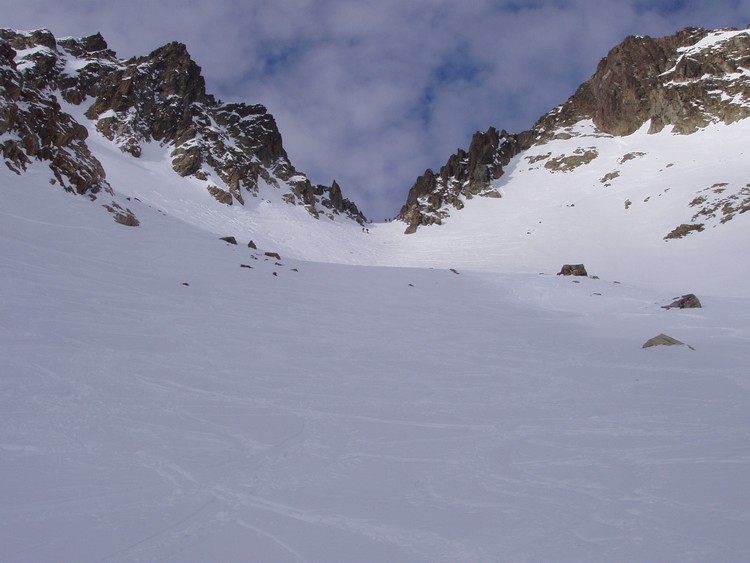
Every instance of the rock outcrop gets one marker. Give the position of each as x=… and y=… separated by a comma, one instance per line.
x=33, y=125
x=684, y=81
x=465, y=175
x=233, y=149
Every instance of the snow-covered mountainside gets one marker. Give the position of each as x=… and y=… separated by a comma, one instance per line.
x=166, y=396
x=681, y=84
x=51, y=91
x=169, y=396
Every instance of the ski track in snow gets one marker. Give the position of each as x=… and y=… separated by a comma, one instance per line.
x=370, y=413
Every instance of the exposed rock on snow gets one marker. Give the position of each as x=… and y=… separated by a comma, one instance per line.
x=688, y=301
x=664, y=340
x=683, y=230
x=573, y=270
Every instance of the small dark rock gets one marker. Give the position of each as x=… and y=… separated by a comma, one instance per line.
x=186, y=284
x=273, y=255
x=251, y=244
x=245, y=266
x=454, y=271
x=230, y=240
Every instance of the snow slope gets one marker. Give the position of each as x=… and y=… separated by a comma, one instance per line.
x=611, y=214
x=159, y=402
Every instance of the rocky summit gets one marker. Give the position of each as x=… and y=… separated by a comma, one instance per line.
x=682, y=83
x=231, y=149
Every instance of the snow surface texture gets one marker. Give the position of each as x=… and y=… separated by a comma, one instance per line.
x=160, y=402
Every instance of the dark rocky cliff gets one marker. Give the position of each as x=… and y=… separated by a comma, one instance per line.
x=161, y=97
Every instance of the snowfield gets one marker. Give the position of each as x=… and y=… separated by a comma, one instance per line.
x=358, y=400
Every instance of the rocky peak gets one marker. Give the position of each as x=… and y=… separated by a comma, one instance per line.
x=149, y=98
x=686, y=80
x=465, y=175
x=87, y=47
x=233, y=149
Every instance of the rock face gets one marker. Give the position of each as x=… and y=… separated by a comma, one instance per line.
x=684, y=81
x=233, y=149
x=465, y=175
x=32, y=123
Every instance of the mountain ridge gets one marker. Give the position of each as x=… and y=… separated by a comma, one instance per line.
x=686, y=80
x=234, y=149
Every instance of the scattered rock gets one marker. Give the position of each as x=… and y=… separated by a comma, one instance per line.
x=220, y=195
x=566, y=163
x=251, y=244
x=275, y=274
x=245, y=266
x=683, y=230
x=273, y=255
x=573, y=270
x=688, y=301
x=230, y=240
x=664, y=340
x=127, y=218
x=454, y=271
x=294, y=270
x=186, y=284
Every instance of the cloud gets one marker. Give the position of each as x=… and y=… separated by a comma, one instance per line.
x=373, y=93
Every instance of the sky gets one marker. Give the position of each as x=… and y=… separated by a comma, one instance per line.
x=373, y=93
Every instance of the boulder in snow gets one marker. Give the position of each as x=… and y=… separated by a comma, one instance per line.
x=573, y=270
x=664, y=340
x=688, y=301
